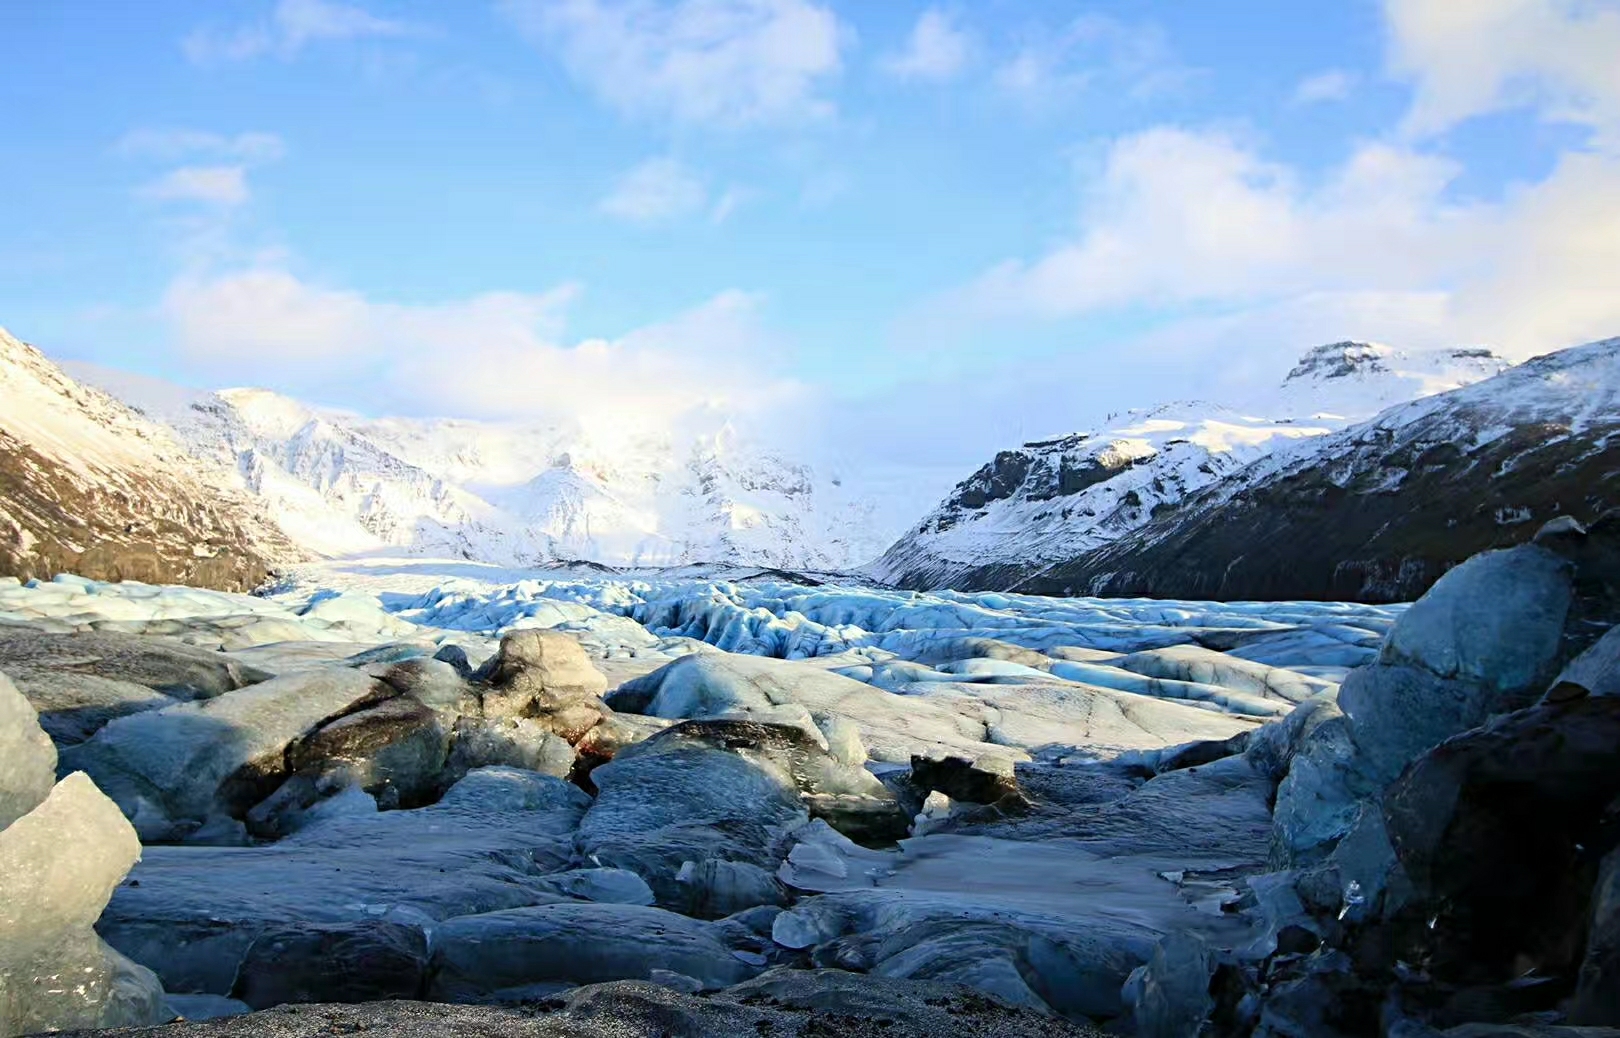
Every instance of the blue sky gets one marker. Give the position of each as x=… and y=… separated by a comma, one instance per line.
x=885, y=219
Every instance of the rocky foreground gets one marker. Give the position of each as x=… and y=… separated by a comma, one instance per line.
x=944, y=815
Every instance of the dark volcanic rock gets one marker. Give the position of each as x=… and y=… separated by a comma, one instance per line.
x=960, y=779
x=342, y=962
x=1500, y=831
x=1597, y=996
x=782, y=1004
x=396, y=749
x=166, y=666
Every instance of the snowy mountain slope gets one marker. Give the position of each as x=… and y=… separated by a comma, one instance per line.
x=1356, y=380
x=1050, y=501
x=1379, y=510
x=89, y=486
x=516, y=493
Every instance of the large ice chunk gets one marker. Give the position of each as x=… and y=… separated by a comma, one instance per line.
x=58, y=866
x=171, y=769
x=27, y=757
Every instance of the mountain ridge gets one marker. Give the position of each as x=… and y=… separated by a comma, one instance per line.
x=91, y=486
x=522, y=493
x=1374, y=511
x=1050, y=500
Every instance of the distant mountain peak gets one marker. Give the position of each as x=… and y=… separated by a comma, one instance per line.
x=1345, y=359
x=515, y=493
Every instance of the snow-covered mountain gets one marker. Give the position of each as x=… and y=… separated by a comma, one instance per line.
x=89, y=486
x=1379, y=510
x=520, y=493
x=1050, y=501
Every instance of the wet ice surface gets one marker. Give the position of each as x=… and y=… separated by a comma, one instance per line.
x=1049, y=902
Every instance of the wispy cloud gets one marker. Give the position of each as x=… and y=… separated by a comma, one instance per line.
x=1331, y=85
x=937, y=50
x=212, y=185
x=728, y=63
x=291, y=26
x=727, y=204
x=172, y=143
x=1092, y=51
x=218, y=175
x=658, y=190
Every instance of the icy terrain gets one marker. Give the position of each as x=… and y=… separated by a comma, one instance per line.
x=408, y=778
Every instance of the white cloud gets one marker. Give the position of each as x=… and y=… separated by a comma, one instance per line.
x=658, y=190
x=173, y=144
x=1093, y=50
x=291, y=26
x=1471, y=58
x=214, y=185
x=1331, y=85
x=937, y=50
x=494, y=355
x=1180, y=220
x=222, y=184
x=718, y=62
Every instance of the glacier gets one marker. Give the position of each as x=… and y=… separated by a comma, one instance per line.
x=398, y=776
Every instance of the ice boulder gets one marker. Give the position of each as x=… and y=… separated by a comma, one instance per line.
x=728, y=685
x=173, y=769
x=1486, y=639
x=683, y=796
x=545, y=675
x=1594, y=672
x=59, y=863
x=481, y=956
x=27, y=757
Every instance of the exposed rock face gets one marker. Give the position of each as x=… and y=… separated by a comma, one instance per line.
x=88, y=486
x=1500, y=833
x=1452, y=836
x=1048, y=499
x=1373, y=513
x=543, y=675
